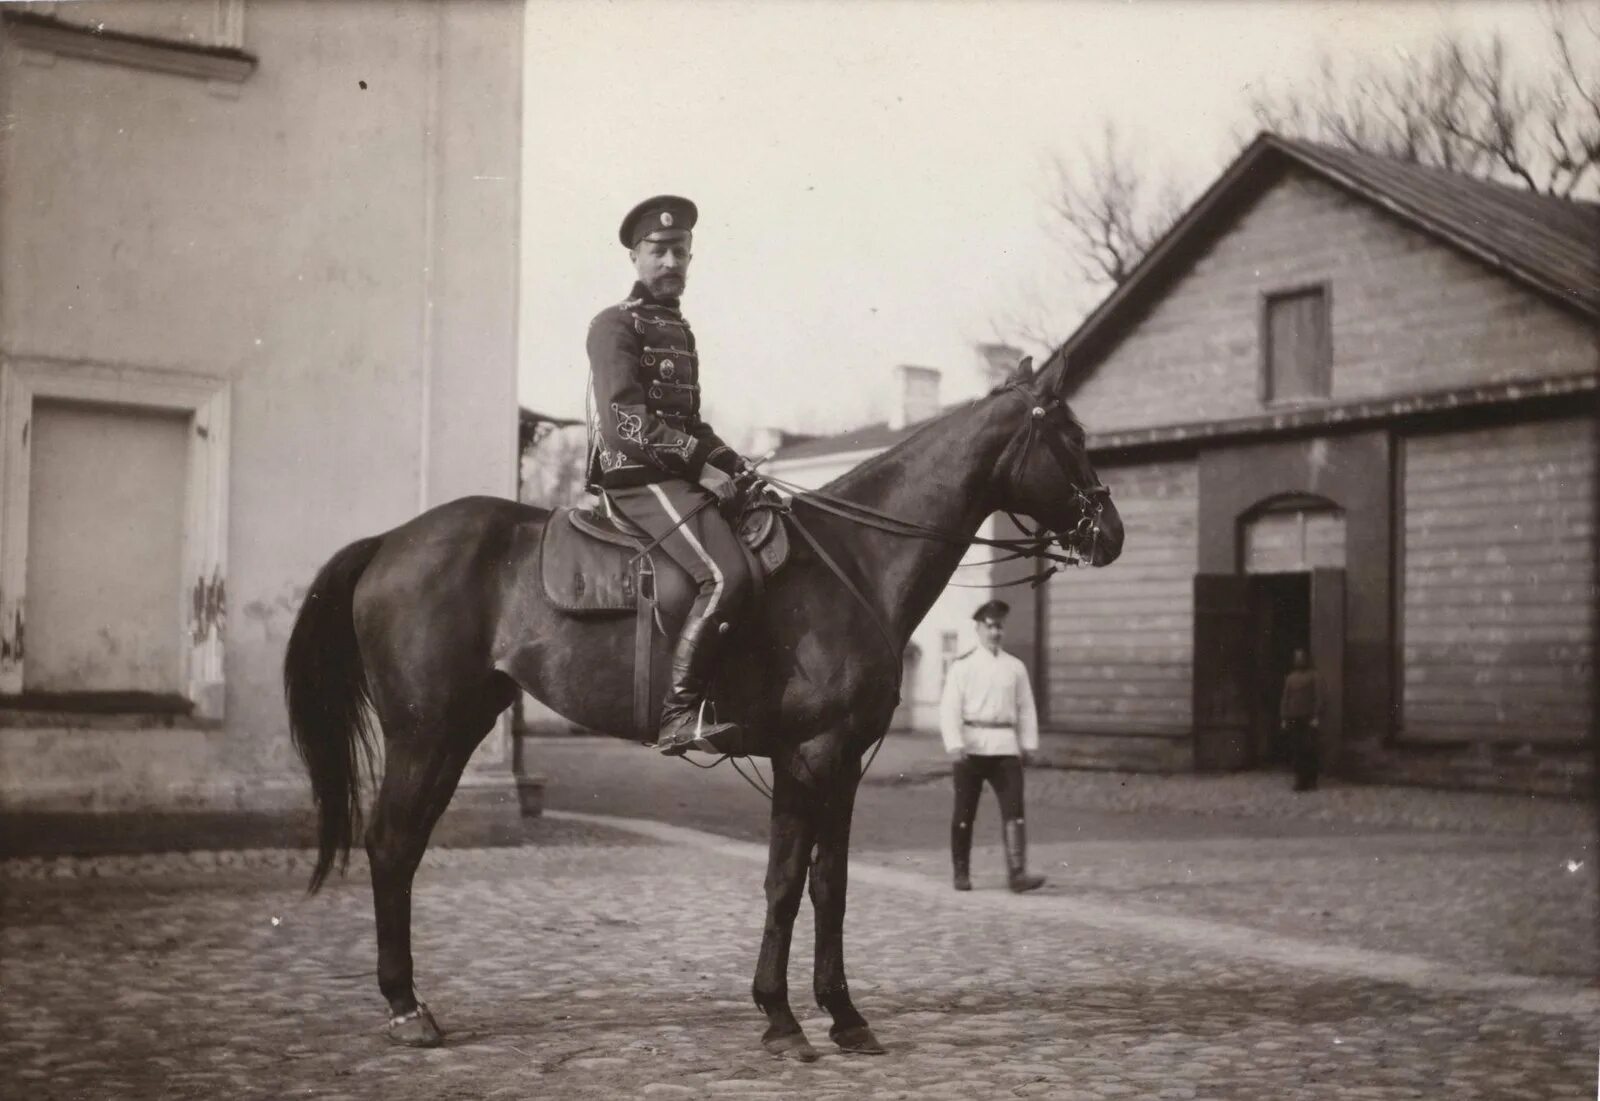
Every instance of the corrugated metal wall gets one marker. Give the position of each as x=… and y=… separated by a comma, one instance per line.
x=1120, y=640
x=1498, y=605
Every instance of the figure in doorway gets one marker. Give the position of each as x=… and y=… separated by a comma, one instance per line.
x=1297, y=711
x=990, y=727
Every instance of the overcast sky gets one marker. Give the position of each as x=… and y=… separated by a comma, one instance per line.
x=870, y=176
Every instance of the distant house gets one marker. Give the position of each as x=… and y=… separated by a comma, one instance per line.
x=946, y=631
x=1347, y=403
x=258, y=270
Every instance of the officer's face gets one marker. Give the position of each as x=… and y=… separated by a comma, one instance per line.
x=990, y=633
x=663, y=266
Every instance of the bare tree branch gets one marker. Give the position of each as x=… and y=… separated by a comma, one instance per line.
x=1468, y=106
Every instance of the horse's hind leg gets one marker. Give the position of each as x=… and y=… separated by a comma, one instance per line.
x=422, y=767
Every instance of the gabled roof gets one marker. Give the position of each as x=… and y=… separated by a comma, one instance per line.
x=1550, y=245
x=871, y=437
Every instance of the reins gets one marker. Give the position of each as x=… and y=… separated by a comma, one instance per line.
x=1035, y=545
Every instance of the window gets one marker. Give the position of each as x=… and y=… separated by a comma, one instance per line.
x=113, y=522
x=949, y=641
x=1296, y=346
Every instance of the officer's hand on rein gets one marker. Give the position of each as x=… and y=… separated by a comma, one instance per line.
x=718, y=483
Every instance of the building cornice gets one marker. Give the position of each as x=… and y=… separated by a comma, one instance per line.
x=1323, y=417
x=56, y=36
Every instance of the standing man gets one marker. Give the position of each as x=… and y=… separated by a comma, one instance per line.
x=1297, y=711
x=657, y=463
x=989, y=726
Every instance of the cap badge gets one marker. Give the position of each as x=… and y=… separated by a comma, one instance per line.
x=666, y=218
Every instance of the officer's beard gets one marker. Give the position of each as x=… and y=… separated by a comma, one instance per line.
x=668, y=286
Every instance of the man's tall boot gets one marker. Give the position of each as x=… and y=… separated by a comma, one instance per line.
x=1016, y=838
x=961, y=854
x=683, y=725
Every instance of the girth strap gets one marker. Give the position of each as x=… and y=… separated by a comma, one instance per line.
x=643, y=622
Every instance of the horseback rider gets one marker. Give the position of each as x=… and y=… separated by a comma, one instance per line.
x=657, y=463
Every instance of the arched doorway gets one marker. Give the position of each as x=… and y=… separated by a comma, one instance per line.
x=1284, y=545
x=1286, y=591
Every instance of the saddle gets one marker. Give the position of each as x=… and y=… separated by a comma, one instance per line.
x=592, y=565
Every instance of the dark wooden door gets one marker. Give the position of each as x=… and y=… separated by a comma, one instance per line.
x=1223, y=671
x=1327, y=657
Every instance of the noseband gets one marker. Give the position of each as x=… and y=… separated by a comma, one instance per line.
x=1079, y=543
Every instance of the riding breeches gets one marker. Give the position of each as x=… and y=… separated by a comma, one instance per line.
x=1004, y=775
x=704, y=545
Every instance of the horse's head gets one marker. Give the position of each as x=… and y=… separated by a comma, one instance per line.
x=1046, y=474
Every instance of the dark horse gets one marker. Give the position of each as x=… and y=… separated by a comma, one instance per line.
x=438, y=622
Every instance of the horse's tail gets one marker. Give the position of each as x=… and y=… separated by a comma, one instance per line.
x=325, y=687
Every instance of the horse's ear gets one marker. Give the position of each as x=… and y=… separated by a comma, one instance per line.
x=1024, y=371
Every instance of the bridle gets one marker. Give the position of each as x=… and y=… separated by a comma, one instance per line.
x=1078, y=544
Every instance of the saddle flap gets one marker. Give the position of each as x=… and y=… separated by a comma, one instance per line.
x=588, y=562
x=585, y=572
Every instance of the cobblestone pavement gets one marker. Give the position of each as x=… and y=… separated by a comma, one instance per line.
x=597, y=963
x=1486, y=881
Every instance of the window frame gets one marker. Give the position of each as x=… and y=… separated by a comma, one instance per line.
x=1324, y=366
x=206, y=401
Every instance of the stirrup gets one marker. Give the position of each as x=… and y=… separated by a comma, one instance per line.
x=700, y=737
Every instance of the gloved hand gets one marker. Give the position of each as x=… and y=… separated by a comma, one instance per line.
x=718, y=483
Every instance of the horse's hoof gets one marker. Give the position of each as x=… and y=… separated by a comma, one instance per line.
x=858, y=1040
x=791, y=1045
x=416, y=1029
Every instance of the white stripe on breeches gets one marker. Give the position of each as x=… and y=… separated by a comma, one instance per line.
x=694, y=543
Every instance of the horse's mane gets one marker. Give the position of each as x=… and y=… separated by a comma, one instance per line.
x=868, y=467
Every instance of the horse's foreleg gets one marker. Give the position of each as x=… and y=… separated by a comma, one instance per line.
x=420, y=776
x=793, y=833
x=829, y=878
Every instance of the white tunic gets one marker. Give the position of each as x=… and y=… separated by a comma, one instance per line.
x=983, y=688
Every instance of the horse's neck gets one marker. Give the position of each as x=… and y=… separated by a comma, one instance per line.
x=944, y=478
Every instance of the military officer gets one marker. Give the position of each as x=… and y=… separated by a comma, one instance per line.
x=655, y=461
x=989, y=724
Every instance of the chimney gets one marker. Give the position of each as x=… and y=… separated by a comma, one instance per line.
x=998, y=361
x=918, y=397
x=764, y=440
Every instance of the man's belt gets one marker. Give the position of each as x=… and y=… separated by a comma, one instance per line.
x=988, y=725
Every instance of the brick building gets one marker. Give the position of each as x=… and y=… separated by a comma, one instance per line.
x=1346, y=402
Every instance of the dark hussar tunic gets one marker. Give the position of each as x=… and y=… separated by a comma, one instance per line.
x=648, y=445
x=644, y=416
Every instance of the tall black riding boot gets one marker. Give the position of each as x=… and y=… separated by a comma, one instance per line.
x=683, y=726
x=961, y=854
x=1016, y=838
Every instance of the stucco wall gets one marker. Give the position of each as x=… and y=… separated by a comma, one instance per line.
x=343, y=256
